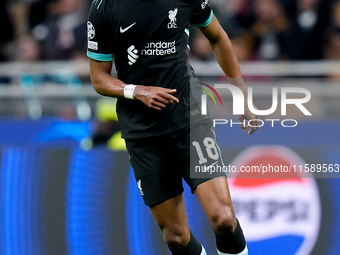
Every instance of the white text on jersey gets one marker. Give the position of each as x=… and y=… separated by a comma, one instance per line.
x=159, y=48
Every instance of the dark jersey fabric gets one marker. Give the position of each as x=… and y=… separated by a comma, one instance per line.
x=148, y=40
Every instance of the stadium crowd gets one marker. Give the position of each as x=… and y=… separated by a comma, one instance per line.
x=35, y=30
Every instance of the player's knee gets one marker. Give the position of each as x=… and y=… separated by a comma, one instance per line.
x=176, y=240
x=224, y=220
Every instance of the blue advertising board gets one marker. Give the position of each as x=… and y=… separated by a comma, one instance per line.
x=59, y=199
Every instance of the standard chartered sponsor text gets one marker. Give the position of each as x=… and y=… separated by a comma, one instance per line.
x=159, y=48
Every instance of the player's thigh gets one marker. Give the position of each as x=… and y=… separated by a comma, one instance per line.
x=214, y=196
x=156, y=179
x=171, y=218
x=202, y=151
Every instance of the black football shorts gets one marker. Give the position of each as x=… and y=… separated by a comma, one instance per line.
x=160, y=163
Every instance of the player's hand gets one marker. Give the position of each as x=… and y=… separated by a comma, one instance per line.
x=155, y=97
x=248, y=115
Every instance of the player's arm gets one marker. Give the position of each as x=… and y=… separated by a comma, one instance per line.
x=100, y=53
x=107, y=85
x=225, y=55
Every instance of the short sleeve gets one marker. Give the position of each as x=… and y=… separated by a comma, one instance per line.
x=99, y=43
x=202, y=13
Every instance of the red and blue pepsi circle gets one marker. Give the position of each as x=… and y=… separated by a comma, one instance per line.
x=279, y=216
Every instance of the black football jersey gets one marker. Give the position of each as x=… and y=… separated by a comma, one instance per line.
x=148, y=41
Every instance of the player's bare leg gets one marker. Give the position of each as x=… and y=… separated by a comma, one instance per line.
x=172, y=219
x=215, y=199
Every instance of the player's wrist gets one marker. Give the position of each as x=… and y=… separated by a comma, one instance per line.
x=129, y=90
x=140, y=92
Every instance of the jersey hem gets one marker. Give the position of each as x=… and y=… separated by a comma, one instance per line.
x=140, y=135
x=166, y=132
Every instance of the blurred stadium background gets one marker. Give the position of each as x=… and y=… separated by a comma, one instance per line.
x=66, y=186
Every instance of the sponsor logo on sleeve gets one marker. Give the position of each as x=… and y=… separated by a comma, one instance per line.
x=204, y=4
x=90, y=30
x=92, y=45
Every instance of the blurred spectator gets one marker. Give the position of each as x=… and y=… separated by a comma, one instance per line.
x=332, y=49
x=25, y=48
x=68, y=112
x=270, y=30
x=243, y=47
x=106, y=128
x=63, y=33
x=38, y=12
x=308, y=29
x=236, y=15
x=336, y=15
x=259, y=29
x=18, y=10
x=59, y=26
x=333, y=46
x=7, y=29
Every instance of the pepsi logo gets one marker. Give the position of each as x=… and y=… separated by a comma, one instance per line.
x=278, y=215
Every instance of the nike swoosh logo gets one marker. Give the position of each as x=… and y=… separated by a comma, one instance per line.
x=127, y=28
